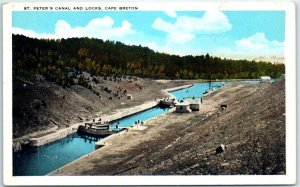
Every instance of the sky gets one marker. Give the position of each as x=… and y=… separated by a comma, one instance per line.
x=251, y=35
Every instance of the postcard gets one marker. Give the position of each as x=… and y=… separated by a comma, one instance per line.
x=149, y=93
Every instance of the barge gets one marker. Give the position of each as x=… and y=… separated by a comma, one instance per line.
x=95, y=129
x=167, y=102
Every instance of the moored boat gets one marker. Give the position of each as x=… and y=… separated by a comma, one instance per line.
x=95, y=129
x=167, y=102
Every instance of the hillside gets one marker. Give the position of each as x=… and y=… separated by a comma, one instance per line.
x=42, y=104
x=252, y=128
x=56, y=59
x=60, y=82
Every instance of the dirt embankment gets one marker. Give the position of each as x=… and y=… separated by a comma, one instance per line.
x=43, y=105
x=252, y=128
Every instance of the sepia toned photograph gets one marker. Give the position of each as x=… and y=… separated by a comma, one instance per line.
x=133, y=89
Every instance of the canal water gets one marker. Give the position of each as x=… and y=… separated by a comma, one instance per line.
x=38, y=161
x=196, y=90
x=129, y=121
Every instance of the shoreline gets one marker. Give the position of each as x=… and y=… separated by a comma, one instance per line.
x=154, y=127
x=56, y=134
x=178, y=88
x=24, y=140
x=226, y=80
x=102, y=143
x=62, y=133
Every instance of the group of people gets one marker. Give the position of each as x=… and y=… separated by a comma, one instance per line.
x=136, y=123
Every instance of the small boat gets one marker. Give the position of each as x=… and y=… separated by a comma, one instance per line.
x=206, y=92
x=95, y=129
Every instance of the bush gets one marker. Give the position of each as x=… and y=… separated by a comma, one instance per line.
x=82, y=81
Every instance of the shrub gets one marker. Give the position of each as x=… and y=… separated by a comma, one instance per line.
x=82, y=81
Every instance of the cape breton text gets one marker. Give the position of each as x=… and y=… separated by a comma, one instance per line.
x=110, y=8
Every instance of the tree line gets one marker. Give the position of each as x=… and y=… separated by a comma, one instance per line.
x=56, y=59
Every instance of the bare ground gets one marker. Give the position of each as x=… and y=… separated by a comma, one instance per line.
x=252, y=128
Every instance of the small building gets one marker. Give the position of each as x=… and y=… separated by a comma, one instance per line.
x=195, y=103
x=183, y=107
x=265, y=79
x=129, y=96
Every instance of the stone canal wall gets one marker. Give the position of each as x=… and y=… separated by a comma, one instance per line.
x=24, y=140
x=59, y=134
x=167, y=91
x=129, y=111
x=178, y=88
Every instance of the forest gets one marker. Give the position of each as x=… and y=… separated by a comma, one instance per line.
x=60, y=60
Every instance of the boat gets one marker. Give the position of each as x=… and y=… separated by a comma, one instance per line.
x=95, y=129
x=167, y=102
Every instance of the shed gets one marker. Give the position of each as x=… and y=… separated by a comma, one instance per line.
x=195, y=103
x=129, y=96
x=183, y=107
x=265, y=79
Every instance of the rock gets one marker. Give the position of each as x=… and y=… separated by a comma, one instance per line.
x=36, y=104
x=225, y=164
x=224, y=106
x=17, y=147
x=221, y=149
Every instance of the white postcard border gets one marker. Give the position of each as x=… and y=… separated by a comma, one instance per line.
x=290, y=55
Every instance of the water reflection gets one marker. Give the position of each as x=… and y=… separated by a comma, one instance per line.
x=89, y=138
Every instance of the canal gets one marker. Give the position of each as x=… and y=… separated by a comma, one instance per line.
x=38, y=161
x=143, y=116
